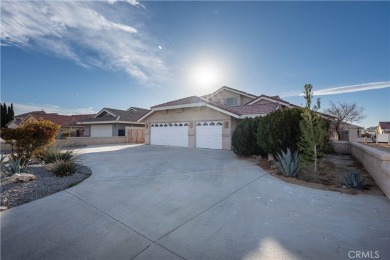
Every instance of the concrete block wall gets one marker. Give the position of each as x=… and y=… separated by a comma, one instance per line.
x=376, y=162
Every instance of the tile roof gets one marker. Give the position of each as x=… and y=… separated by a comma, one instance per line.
x=26, y=114
x=118, y=115
x=63, y=120
x=384, y=125
x=254, y=109
x=182, y=101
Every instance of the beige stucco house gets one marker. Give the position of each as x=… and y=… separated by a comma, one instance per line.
x=110, y=122
x=383, y=128
x=205, y=121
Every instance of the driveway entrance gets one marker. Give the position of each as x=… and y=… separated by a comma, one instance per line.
x=160, y=202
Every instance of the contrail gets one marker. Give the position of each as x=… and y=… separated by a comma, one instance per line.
x=353, y=88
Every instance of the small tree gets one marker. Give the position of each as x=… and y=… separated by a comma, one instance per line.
x=244, y=138
x=344, y=112
x=26, y=141
x=313, y=129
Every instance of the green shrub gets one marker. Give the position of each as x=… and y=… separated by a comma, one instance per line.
x=353, y=180
x=279, y=130
x=288, y=163
x=64, y=168
x=15, y=166
x=244, y=138
x=53, y=154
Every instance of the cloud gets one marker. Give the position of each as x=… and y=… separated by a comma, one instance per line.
x=92, y=34
x=49, y=108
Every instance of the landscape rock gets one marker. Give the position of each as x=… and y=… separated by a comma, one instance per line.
x=3, y=208
x=23, y=177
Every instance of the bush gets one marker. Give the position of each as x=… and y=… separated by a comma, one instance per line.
x=279, y=130
x=53, y=154
x=64, y=168
x=244, y=138
x=27, y=140
x=288, y=163
x=353, y=180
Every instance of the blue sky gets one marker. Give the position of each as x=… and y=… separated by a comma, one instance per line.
x=80, y=56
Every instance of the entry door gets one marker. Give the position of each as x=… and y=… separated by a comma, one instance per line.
x=209, y=134
x=173, y=134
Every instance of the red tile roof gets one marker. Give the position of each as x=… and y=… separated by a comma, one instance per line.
x=384, y=125
x=182, y=101
x=63, y=120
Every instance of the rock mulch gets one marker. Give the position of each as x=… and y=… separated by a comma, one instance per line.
x=47, y=183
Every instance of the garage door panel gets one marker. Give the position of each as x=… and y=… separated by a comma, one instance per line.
x=209, y=134
x=101, y=130
x=174, y=134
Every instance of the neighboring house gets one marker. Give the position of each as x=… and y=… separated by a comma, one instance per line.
x=206, y=121
x=113, y=122
x=19, y=118
x=69, y=126
x=346, y=134
x=371, y=130
x=383, y=128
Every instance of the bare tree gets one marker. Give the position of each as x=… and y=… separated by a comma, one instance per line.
x=344, y=113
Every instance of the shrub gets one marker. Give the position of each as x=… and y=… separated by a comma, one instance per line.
x=53, y=154
x=279, y=130
x=288, y=163
x=353, y=180
x=64, y=168
x=244, y=138
x=15, y=166
x=27, y=140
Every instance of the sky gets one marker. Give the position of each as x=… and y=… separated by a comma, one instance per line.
x=74, y=57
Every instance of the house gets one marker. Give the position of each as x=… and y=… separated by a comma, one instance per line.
x=110, y=122
x=19, y=118
x=69, y=126
x=383, y=128
x=206, y=121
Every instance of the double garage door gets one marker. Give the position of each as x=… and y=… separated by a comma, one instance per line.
x=208, y=134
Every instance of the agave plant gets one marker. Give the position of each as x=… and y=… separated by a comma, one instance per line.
x=16, y=167
x=353, y=180
x=288, y=163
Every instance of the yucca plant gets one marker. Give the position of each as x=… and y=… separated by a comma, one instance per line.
x=288, y=163
x=353, y=180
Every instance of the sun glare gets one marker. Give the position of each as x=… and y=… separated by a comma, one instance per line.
x=206, y=75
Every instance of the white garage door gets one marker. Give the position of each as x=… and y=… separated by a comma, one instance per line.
x=209, y=134
x=174, y=134
x=101, y=130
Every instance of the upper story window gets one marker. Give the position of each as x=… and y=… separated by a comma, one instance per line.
x=230, y=102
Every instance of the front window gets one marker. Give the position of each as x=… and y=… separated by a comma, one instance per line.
x=230, y=102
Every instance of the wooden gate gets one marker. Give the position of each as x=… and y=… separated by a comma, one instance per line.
x=136, y=136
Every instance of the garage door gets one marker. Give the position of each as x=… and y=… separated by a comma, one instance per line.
x=209, y=134
x=101, y=130
x=174, y=134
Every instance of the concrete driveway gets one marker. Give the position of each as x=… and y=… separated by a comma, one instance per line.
x=155, y=202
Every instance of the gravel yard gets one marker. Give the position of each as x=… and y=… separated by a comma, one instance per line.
x=14, y=194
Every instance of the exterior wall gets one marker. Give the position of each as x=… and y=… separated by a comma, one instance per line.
x=12, y=125
x=241, y=99
x=192, y=115
x=376, y=162
x=115, y=128
x=77, y=141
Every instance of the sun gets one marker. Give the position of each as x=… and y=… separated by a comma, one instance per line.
x=206, y=75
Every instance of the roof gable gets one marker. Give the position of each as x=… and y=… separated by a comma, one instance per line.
x=273, y=99
x=224, y=88
x=384, y=125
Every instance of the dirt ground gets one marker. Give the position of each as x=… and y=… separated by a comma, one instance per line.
x=330, y=175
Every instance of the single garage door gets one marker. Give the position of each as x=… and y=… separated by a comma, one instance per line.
x=209, y=134
x=101, y=130
x=174, y=134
